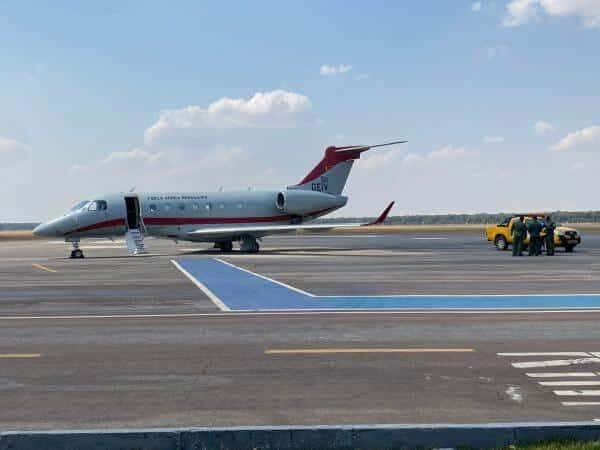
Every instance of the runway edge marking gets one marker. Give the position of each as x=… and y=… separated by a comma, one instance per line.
x=216, y=300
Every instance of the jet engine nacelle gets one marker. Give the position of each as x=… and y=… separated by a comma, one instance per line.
x=299, y=202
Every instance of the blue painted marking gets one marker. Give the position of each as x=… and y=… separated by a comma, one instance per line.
x=243, y=291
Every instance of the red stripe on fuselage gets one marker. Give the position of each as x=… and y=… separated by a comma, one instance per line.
x=211, y=220
x=166, y=221
x=98, y=225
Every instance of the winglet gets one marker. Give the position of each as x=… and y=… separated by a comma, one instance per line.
x=382, y=216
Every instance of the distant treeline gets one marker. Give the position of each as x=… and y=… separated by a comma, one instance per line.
x=17, y=226
x=462, y=219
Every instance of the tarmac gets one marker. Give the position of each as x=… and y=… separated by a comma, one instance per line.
x=113, y=341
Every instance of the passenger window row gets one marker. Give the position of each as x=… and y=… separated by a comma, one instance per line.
x=155, y=207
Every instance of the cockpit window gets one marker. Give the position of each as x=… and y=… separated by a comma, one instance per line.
x=98, y=205
x=79, y=205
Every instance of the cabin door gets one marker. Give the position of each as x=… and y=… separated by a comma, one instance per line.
x=132, y=205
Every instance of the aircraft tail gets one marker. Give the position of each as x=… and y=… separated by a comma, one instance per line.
x=331, y=173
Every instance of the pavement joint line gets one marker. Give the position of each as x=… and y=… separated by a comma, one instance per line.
x=44, y=268
x=329, y=351
x=19, y=355
x=216, y=300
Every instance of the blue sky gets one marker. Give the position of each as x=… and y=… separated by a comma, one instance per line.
x=104, y=97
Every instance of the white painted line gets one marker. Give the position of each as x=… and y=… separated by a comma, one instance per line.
x=300, y=291
x=429, y=238
x=555, y=363
x=546, y=354
x=560, y=374
x=569, y=383
x=272, y=313
x=582, y=393
x=216, y=300
x=582, y=404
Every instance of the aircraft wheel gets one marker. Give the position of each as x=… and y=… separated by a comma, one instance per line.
x=77, y=254
x=569, y=248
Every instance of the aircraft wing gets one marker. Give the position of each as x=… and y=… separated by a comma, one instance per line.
x=263, y=230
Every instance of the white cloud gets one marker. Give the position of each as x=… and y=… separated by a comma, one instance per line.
x=586, y=139
x=542, y=128
x=476, y=7
x=216, y=159
x=12, y=151
x=378, y=159
x=493, y=139
x=275, y=109
x=441, y=157
x=328, y=70
x=524, y=11
x=495, y=51
x=136, y=156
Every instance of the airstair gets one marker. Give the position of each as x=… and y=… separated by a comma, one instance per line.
x=135, y=242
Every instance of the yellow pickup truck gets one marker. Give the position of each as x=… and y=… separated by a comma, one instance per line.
x=501, y=235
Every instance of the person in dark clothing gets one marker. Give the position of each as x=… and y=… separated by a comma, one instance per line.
x=519, y=232
x=550, y=228
x=535, y=242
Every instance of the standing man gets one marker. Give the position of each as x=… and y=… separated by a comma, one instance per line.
x=550, y=228
x=535, y=230
x=519, y=232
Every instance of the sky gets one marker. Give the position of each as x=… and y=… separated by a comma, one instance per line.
x=498, y=100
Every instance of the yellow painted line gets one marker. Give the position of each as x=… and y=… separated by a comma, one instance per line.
x=330, y=351
x=19, y=355
x=47, y=269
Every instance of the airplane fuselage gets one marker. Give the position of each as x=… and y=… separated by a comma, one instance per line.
x=175, y=215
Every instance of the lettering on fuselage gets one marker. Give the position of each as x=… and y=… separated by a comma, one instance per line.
x=322, y=186
x=178, y=197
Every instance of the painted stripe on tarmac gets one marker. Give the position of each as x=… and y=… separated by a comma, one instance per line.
x=546, y=354
x=569, y=383
x=19, y=355
x=560, y=374
x=44, y=268
x=583, y=393
x=555, y=363
x=582, y=404
x=244, y=290
x=330, y=351
x=284, y=313
x=216, y=300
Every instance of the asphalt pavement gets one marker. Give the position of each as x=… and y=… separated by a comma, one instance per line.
x=114, y=341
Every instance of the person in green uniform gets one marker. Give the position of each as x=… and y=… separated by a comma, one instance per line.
x=535, y=229
x=519, y=232
x=550, y=228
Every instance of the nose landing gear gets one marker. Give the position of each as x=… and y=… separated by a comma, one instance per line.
x=76, y=253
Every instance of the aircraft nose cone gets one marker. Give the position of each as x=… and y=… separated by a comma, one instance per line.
x=41, y=230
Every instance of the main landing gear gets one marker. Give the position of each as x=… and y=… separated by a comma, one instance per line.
x=225, y=247
x=76, y=253
x=249, y=245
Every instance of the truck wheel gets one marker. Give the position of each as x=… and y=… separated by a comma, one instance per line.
x=501, y=243
x=569, y=248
